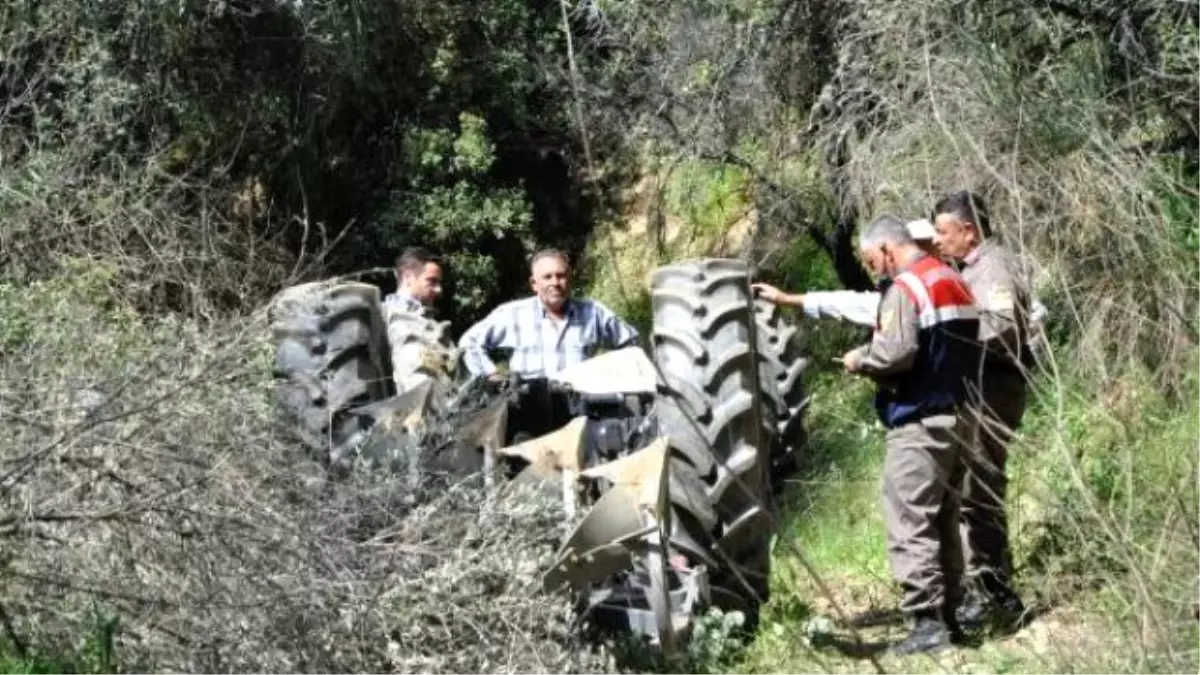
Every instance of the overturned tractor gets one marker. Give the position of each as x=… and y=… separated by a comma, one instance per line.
x=667, y=462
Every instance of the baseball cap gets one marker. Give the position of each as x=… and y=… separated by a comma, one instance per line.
x=920, y=229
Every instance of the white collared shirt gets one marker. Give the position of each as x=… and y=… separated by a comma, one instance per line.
x=539, y=345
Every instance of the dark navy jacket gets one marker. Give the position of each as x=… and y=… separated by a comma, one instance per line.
x=947, y=345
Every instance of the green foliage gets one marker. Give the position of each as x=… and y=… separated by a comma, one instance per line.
x=708, y=195
x=803, y=266
x=269, y=133
x=637, y=310
x=447, y=204
x=94, y=653
x=806, y=267
x=716, y=640
x=16, y=327
x=53, y=313
x=1174, y=189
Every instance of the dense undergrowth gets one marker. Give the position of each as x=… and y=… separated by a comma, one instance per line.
x=157, y=533
x=164, y=169
x=156, y=515
x=1104, y=523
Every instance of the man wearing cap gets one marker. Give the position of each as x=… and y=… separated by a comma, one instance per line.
x=920, y=356
x=996, y=400
x=859, y=307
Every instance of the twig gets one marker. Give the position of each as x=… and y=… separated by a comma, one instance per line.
x=10, y=630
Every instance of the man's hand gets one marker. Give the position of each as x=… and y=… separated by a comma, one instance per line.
x=851, y=361
x=775, y=296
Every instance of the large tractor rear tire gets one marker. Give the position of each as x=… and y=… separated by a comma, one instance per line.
x=717, y=417
x=330, y=358
x=782, y=374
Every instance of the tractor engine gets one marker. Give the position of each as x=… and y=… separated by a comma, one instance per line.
x=616, y=424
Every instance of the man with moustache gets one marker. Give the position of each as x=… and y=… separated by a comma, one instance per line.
x=995, y=404
x=919, y=355
x=543, y=334
x=547, y=331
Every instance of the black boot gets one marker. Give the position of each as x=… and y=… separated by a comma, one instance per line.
x=972, y=614
x=1002, y=608
x=931, y=632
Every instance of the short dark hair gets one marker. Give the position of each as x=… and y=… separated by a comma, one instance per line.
x=549, y=253
x=414, y=259
x=968, y=206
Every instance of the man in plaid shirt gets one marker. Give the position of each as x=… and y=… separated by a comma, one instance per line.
x=546, y=332
x=418, y=282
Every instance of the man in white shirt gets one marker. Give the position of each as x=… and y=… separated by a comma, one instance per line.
x=547, y=331
x=542, y=334
x=860, y=307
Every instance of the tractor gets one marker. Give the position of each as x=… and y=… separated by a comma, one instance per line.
x=668, y=459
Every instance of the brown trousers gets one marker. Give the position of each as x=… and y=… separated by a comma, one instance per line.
x=992, y=420
x=921, y=473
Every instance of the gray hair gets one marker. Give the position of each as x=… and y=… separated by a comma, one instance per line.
x=549, y=253
x=885, y=229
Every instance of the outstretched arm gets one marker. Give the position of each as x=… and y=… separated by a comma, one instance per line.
x=856, y=307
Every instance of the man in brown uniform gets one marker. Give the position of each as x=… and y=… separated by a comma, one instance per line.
x=996, y=401
x=920, y=355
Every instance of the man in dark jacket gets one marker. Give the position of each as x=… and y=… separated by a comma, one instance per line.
x=920, y=354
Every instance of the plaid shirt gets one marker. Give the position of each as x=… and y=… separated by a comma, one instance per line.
x=538, y=347
x=402, y=300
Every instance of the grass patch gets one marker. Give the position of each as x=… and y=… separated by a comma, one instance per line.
x=1103, y=508
x=94, y=653
x=696, y=208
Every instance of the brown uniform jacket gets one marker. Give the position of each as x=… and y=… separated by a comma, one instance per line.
x=993, y=273
x=893, y=347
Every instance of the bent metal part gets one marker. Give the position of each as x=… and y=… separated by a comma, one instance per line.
x=668, y=463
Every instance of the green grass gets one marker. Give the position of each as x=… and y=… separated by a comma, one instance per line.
x=32, y=666
x=94, y=652
x=1104, y=511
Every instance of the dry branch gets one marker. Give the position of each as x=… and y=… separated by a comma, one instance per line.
x=184, y=510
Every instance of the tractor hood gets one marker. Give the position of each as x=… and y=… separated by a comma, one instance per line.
x=623, y=371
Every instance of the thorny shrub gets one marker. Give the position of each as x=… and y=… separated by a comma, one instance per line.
x=144, y=477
